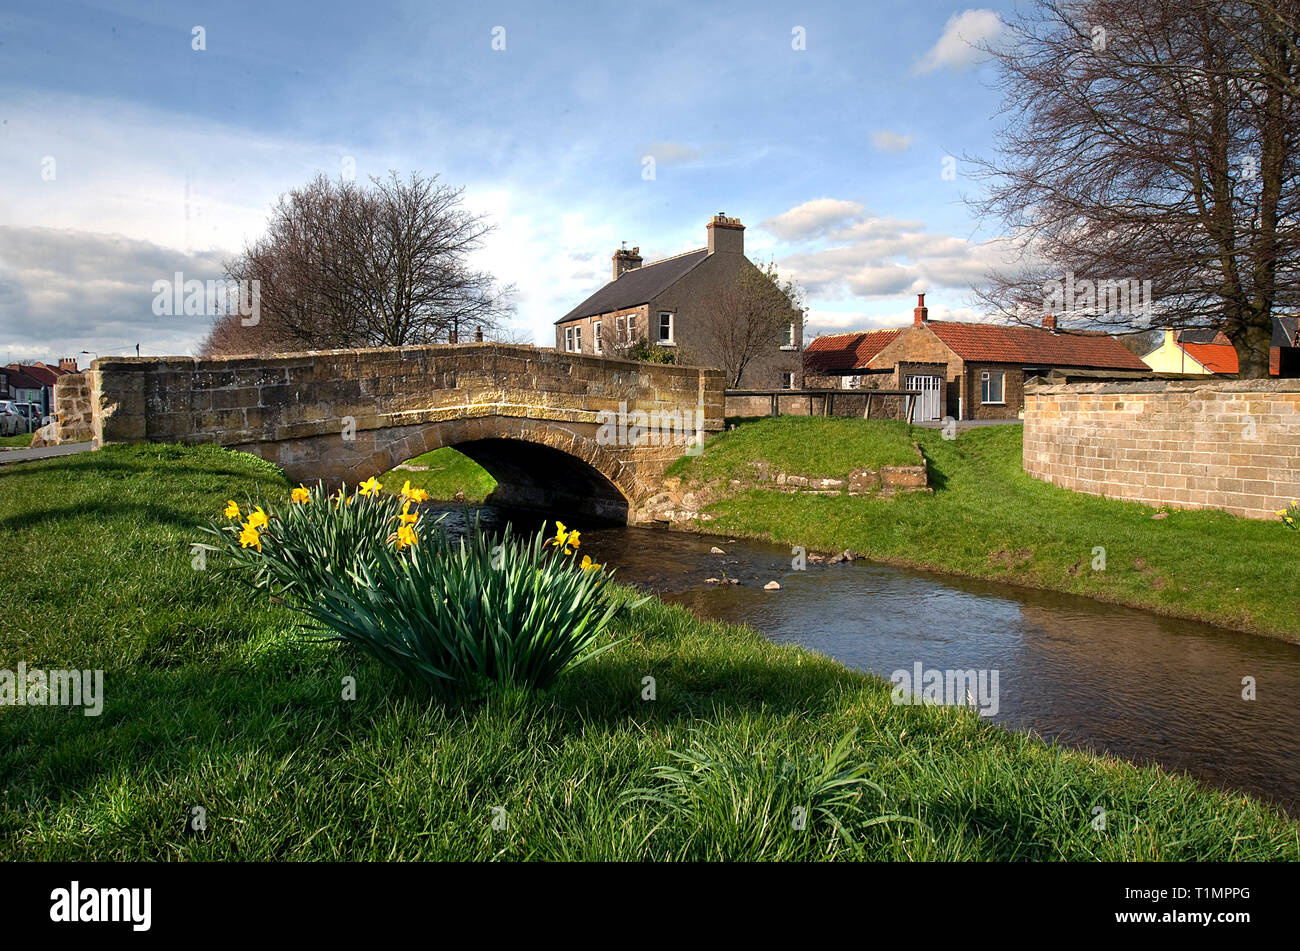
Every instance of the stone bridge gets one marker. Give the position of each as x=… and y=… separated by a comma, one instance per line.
x=557, y=431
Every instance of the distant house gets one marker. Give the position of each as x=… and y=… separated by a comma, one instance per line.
x=1284, y=349
x=1200, y=352
x=34, y=382
x=669, y=302
x=963, y=370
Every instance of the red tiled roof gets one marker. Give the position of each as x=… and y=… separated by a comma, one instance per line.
x=1215, y=357
x=42, y=372
x=835, y=353
x=1034, y=346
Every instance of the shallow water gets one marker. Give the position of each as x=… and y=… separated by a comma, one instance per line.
x=1093, y=675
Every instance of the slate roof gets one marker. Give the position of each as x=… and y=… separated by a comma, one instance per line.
x=637, y=286
x=838, y=353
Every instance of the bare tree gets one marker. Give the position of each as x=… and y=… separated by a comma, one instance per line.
x=343, y=265
x=1147, y=171
x=751, y=317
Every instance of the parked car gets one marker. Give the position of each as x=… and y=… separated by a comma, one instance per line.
x=12, y=422
x=31, y=413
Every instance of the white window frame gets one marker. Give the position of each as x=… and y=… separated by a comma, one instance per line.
x=568, y=339
x=790, y=342
x=577, y=339
x=670, y=340
x=986, y=380
x=629, y=328
x=595, y=337
x=787, y=379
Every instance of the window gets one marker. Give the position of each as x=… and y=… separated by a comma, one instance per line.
x=577, y=339
x=629, y=333
x=787, y=380
x=568, y=339
x=665, y=328
x=992, y=386
x=595, y=336
x=851, y=382
x=790, y=341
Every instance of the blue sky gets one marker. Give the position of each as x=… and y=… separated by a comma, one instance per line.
x=127, y=155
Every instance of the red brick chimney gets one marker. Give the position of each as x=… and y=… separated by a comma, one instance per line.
x=1050, y=322
x=68, y=363
x=921, y=313
x=725, y=234
x=625, y=260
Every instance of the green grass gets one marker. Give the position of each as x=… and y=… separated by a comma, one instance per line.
x=214, y=700
x=448, y=472
x=814, y=447
x=986, y=518
x=21, y=441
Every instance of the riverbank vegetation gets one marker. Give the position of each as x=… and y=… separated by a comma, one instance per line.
x=987, y=519
x=686, y=739
x=445, y=474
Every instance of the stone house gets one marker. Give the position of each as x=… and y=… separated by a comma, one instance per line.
x=670, y=304
x=963, y=370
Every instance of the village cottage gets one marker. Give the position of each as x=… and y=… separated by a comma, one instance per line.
x=963, y=370
x=674, y=303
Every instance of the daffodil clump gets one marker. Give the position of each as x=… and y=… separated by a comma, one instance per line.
x=483, y=610
x=1291, y=515
x=299, y=547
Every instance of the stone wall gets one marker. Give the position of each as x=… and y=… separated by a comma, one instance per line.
x=74, y=413
x=1223, y=444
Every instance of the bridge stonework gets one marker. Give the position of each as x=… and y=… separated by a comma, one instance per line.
x=530, y=417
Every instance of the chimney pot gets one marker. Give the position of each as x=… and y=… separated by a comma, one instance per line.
x=726, y=234
x=625, y=260
x=1050, y=322
x=921, y=313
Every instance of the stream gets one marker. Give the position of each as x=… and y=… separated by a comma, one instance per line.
x=1094, y=676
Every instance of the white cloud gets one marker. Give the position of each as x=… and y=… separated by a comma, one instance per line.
x=877, y=258
x=812, y=219
x=959, y=46
x=886, y=140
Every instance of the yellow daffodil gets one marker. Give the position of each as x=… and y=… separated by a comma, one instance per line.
x=561, y=535
x=406, y=536
x=573, y=539
x=588, y=564
x=232, y=509
x=406, y=516
x=301, y=495
x=414, y=495
x=257, y=519
x=370, y=487
x=249, y=537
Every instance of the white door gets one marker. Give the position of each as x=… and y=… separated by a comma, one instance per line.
x=927, y=404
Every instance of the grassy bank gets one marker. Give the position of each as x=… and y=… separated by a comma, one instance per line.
x=987, y=519
x=21, y=441
x=213, y=700
x=445, y=474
